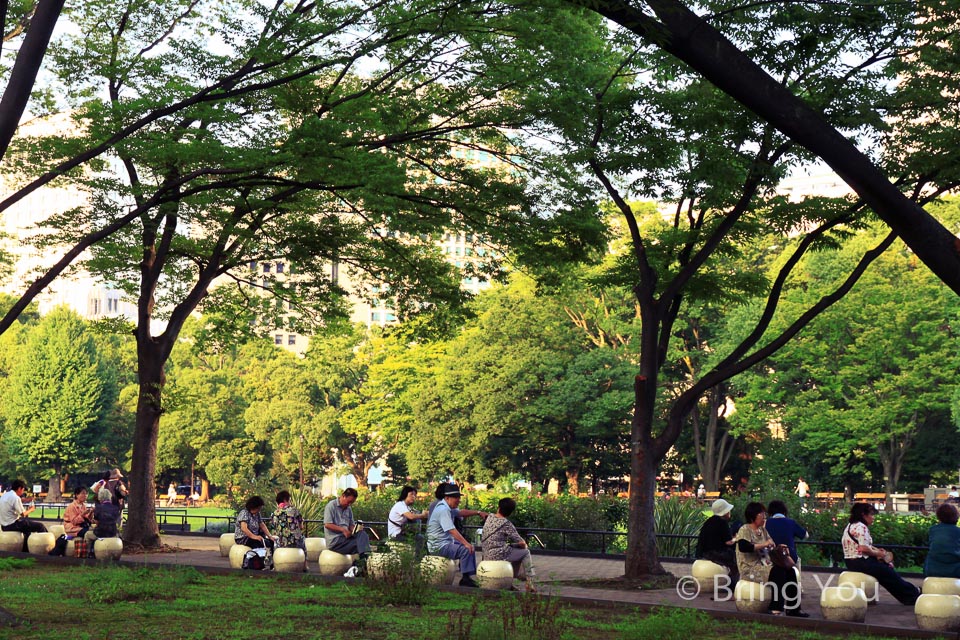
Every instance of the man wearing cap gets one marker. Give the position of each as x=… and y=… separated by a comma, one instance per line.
x=444, y=540
x=716, y=542
x=117, y=487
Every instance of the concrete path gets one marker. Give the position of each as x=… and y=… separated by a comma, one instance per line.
x=887, y=617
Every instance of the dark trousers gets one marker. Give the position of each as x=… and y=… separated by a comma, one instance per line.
x=358, y=543
x=887, y=576
x=26, y=526
x=725, y=558
x=787, y=591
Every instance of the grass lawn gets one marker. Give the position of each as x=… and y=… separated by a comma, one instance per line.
x=93, y=602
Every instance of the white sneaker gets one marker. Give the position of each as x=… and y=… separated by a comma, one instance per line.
x=351, y=572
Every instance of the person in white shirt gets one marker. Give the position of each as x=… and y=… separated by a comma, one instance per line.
x=13, y=515
x=401, y=515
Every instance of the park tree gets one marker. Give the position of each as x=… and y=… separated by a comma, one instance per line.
x=278, y=151
x=860, y=383
x=57, y=399
x=521, y=389
x=671, y=137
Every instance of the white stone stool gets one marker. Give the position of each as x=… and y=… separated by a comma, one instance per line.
x=868, y=584
x=11, y=541
x=314, y=547
x=57, y=530
x=845, y=603
x=438, y=570
x=236, y=554
x=333, y=563
x=289, y=560
x=944, y=586
x=705, y=572
x=40, y=544
x=227, y=540
x=495, y=574
x=108, y=548
x=752, y=597
x=938, y=612
x=379, y=565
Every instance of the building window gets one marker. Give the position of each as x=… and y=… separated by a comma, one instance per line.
x=391, y=317
x=278, y=338
x=279, y=267
x=292, y=338
x=253, y=265
x=375, y=316
x=266, y=267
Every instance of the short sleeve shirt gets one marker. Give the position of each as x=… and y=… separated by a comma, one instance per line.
x=253, y=521
x=10, y=508
x=396, y=519
x=853, y=535
x=439, y=527
x=333, y=513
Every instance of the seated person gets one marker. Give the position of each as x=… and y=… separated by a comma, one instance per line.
x=753, y=560
x=859, y=554
x=400, y=517
x=78, y=517
x=106, y=514
x=715, y=542
x=943, y=556
x=13, y=517
x=444, y=540
x=783, y=529
x=288, y=523
x=341, y=530
x=502, y=542
x=251, y=530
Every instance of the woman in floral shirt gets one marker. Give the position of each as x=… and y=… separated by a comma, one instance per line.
x=861, y=555
x=288, y=525
x=501, y=541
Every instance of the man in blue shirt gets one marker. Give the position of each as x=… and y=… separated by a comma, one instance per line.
x=783, y=529
x=444, y=540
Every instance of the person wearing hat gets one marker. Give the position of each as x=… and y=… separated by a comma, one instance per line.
x=444, y=540
x=117, y=487
x=716, y=542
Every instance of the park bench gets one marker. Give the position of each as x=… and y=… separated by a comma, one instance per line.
x=827, y=498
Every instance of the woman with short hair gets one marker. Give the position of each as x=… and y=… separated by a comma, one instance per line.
x=288, y=524
x=501, y=541
x=943, y=556
x=252, y=531
x=753, y=559
x=860, y=554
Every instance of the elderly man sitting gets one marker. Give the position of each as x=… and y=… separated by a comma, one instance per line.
x=444, y=540
x=341, y=530
x=13, y=517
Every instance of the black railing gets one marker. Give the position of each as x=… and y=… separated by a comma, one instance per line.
x=561, y=540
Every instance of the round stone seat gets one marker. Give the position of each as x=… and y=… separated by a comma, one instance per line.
x=11, y=541
x=938, y=612
x=226, y=541
x=236, y=554
x=333, y=563
x=438, y=570
x=315, y=547
x=57, y=530
x=705, y=572
x=868, y=584
x=944, y=586
x=289, y=560
x=108, y=548
x=845, y=603
x=40, y=544
x=379, y=565
x=495, y=574
x=752, y=597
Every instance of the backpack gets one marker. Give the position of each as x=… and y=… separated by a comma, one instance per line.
x=255, y=559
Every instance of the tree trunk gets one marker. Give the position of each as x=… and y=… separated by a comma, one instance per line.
x=64, y=478
x=716, y=448
x=641, y=531
x=204, y=489
x=573, y=481
x=141, y=526
x=53, y=493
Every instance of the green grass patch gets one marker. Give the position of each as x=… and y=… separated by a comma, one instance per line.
x=9, y=564
x=101, y=601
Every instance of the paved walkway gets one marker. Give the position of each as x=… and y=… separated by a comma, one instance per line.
x=887, y=617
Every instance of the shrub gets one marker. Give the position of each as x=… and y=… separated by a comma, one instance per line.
x=401, y=578
x=677, y=517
